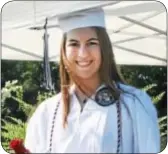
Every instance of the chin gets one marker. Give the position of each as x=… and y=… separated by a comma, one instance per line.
x=86, y=76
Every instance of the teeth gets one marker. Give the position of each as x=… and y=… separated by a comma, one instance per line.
x=83, y=63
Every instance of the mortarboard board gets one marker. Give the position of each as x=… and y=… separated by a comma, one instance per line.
x=81, y=19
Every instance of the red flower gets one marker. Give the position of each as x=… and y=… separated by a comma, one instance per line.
x=18, y=146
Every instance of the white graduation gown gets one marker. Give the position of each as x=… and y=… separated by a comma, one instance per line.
x=94, y=130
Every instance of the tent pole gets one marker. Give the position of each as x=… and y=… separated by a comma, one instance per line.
x=136, y=38
x=144, y=25
x=131, y=24
x=140, y=53
x=22, y=51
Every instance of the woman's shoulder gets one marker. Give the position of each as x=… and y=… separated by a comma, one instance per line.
x=39, y=124
x=132, y=90
x=50, y=102
x=46, y=107
x=140, y=98
x=135, y=93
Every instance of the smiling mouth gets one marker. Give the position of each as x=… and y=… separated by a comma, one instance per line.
x=84, y=63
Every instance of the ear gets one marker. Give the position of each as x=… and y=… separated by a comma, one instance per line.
x=66, y=68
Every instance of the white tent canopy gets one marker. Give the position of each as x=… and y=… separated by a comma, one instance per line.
x=137, y=29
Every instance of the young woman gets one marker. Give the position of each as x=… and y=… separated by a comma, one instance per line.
x=96, y=111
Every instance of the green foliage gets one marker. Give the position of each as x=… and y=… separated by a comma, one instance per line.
x=23, y=106
x=15, y=91
x=149, y=87
x=163, y=131
x=44, y=95
x=12, y=127
x=40, y=98
x=10, y=86
x=11, y=131
x=158, y=97
x=162, y=121
x=141, y=76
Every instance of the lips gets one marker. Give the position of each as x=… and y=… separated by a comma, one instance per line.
x=84, y=63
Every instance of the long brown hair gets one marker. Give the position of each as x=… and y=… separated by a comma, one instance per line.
x=109, y=72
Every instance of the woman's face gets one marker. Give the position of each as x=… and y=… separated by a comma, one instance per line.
x=82, y=50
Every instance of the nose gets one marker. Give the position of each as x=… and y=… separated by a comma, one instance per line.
x=83, y=52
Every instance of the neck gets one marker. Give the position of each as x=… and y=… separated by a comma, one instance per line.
x=92, y=84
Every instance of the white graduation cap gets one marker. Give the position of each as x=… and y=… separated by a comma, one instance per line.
x=81, y=19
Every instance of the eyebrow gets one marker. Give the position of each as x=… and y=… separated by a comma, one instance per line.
x=91, y=39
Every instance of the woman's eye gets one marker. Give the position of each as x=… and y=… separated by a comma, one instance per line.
x=92, y=43
x=73, y=44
